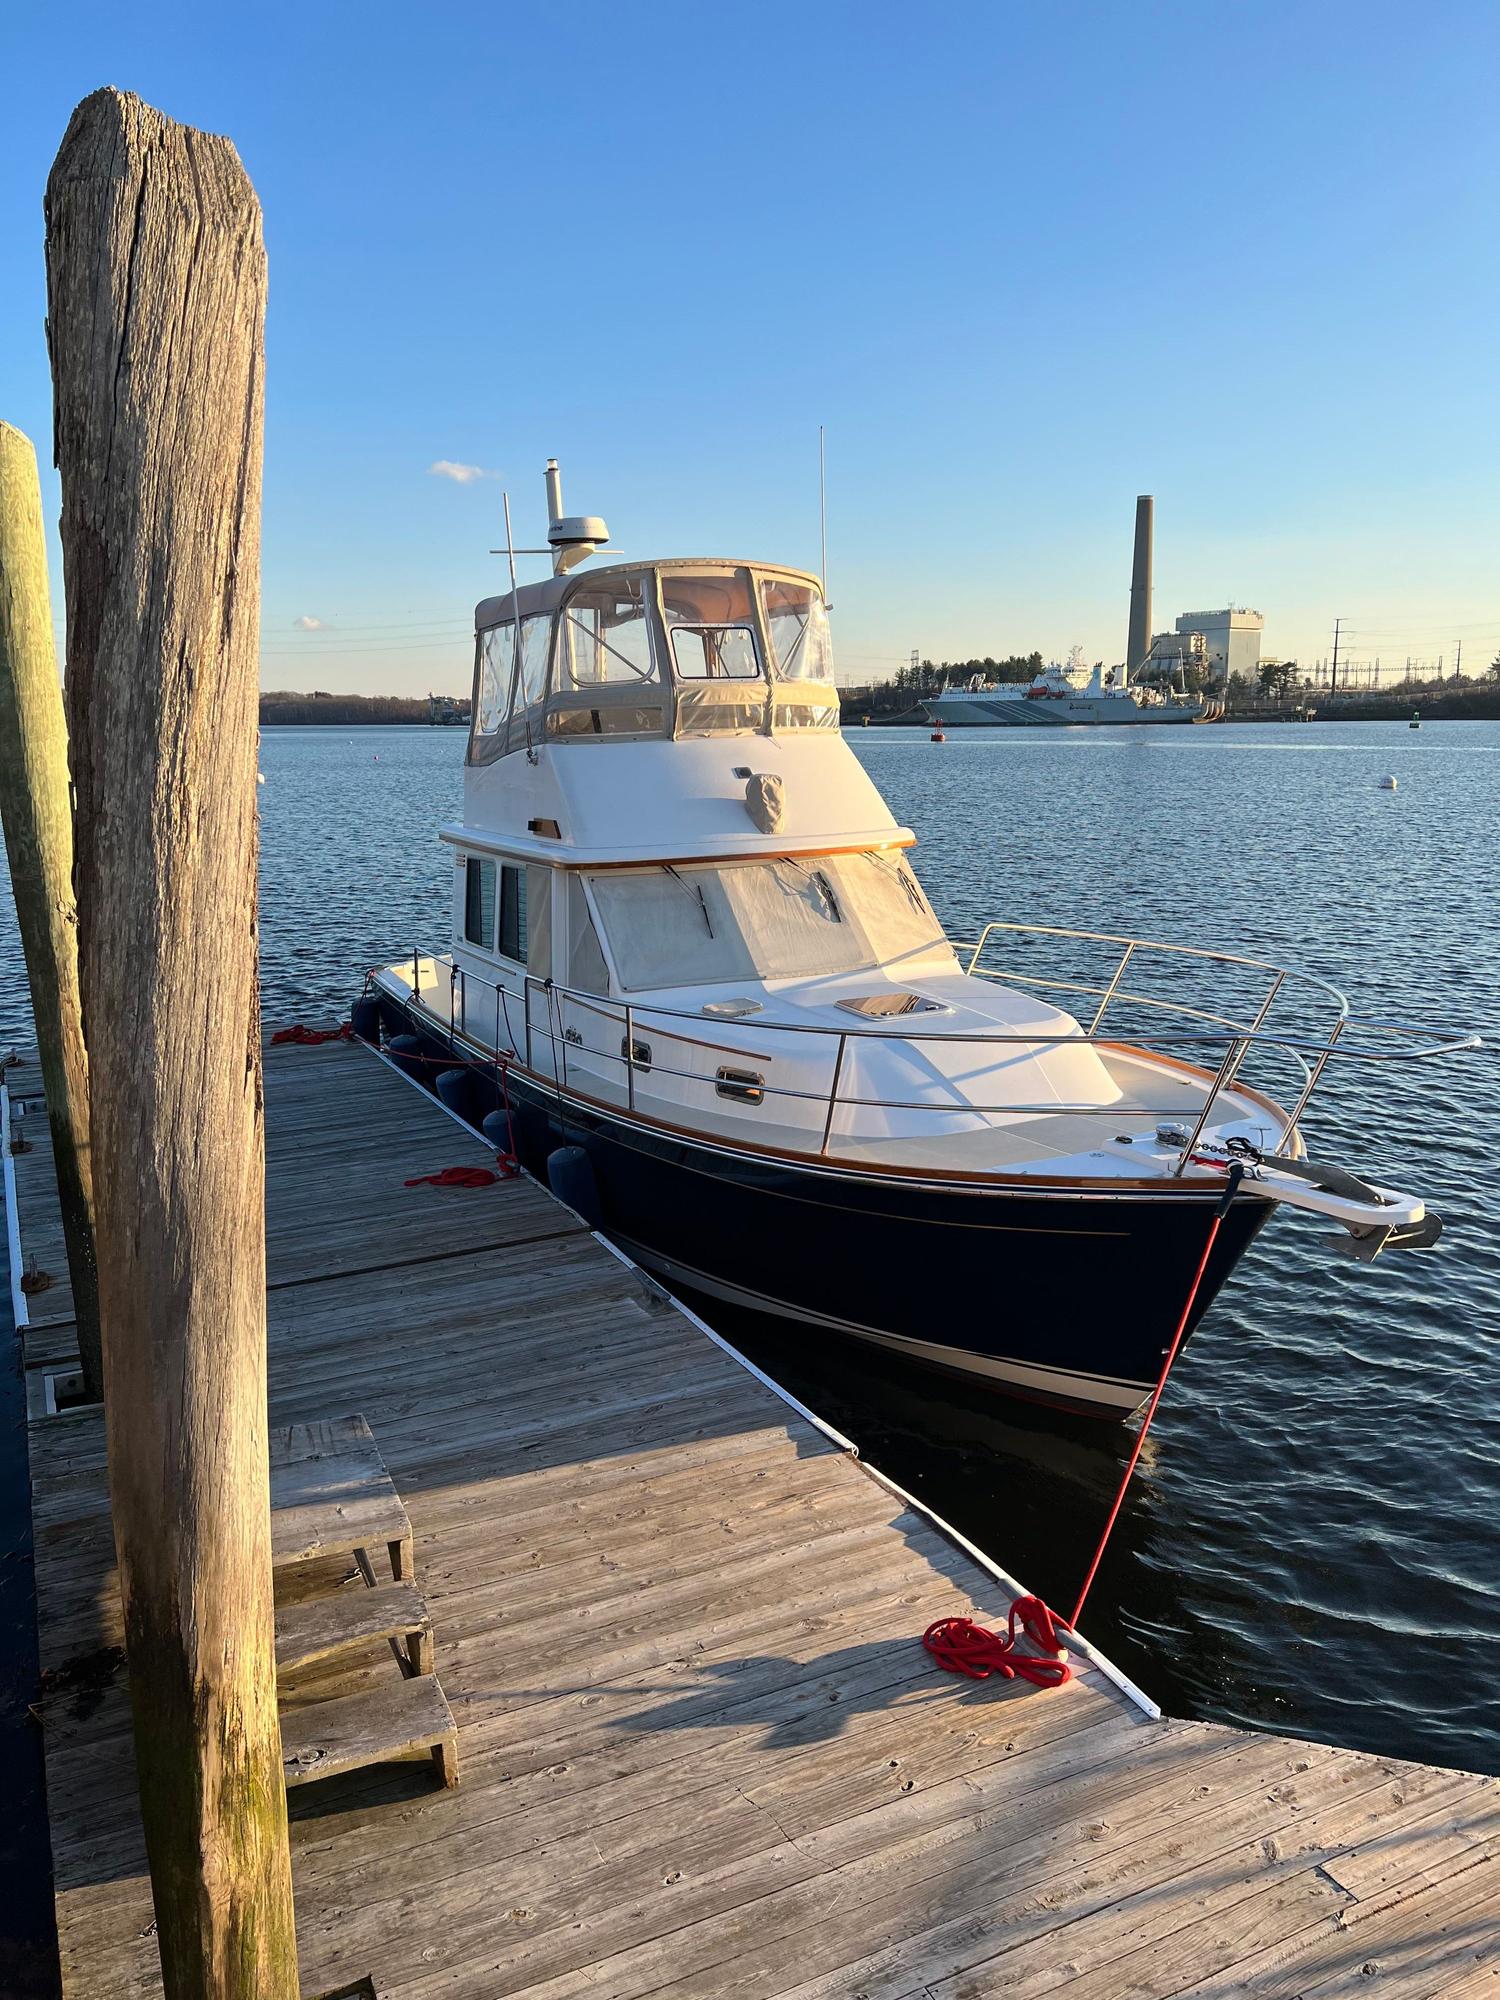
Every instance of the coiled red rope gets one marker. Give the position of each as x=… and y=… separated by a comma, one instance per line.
x=465, y=1177
x=310, y=1038
x=966, y=1648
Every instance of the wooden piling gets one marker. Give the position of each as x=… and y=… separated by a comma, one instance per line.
x=38, y=816
x=156, y=293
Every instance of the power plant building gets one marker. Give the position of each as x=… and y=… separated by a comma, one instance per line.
x=1227, y=641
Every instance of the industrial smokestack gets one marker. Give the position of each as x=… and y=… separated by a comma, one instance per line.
x=1138, y=644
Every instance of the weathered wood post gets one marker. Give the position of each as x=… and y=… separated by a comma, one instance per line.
x=38, y=814
x=156, y=290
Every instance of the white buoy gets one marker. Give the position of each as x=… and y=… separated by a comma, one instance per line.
x=1388, y=784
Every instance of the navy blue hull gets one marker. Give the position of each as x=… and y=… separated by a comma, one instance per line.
x=1062, y=1298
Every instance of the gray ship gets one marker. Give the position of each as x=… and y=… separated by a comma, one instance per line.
x=1055, y=701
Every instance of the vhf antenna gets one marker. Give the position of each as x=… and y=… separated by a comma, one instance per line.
x=515, y=626
x=823, y=508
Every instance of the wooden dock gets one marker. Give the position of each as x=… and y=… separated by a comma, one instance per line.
x=702, y=1750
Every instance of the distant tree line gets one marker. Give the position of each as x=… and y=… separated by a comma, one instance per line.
x=912, y=683
x=342, y=709
x=921, y=677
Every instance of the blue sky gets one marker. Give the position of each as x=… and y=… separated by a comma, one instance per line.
x=1023, y=263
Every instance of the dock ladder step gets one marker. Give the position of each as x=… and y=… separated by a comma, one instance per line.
x=385, y=1721
x=321, y=1626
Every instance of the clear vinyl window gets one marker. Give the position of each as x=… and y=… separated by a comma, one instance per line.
x=797, y=622
x=531, y=669
x=606, y=636
x=710, y=621
x=497, y=659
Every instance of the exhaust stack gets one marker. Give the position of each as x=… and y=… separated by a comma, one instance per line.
x=1138, y=644
x=572, y=538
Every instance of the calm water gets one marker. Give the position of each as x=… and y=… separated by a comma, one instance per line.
x=1313, y=1542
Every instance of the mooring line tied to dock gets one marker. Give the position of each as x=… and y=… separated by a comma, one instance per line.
x=457, y=1177
x=303, y=1037
x=966, y=1648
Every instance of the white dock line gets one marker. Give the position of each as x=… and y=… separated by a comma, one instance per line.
x=1077, y=1643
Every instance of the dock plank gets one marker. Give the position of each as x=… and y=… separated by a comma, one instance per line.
x=703, y=1751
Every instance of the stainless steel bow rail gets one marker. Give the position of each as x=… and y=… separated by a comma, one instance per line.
x=545, y=1006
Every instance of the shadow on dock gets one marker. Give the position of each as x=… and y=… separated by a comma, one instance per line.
x=702, y=1747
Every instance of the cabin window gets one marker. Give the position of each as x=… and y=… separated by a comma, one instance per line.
x=714, y=653
x=710, y=708
x=884, y=897
x=513, y=913
x=670, y=927
x=587, y=972
x=774, y=919
x=630, y=721
x=479, y=903
x=802, y=714
x=710, y=622
x=495, y=666
x=531, y=674
x=539, y=922
x=607, y=635
x=797, y=624
x=496, y=658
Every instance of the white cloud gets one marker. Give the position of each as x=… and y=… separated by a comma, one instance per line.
x=306, y=624
x=462, y=475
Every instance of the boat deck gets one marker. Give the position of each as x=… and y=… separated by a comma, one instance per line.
x=702, y=1750
x=943, y=1136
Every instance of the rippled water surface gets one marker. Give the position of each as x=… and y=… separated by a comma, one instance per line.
x=1313, y=1542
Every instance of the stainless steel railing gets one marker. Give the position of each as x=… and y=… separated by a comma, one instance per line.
x=1204, y=1032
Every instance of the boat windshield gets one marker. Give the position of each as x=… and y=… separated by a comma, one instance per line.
x=710, y=625
x=797, y=623
x=768, y=919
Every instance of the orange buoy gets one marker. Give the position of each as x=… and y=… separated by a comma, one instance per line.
x=938, y=736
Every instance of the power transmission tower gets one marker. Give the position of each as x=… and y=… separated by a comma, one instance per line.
x=1333, y=677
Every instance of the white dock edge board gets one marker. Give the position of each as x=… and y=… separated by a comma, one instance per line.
x=18, y=1308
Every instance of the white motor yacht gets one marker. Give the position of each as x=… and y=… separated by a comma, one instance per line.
x=695, y=980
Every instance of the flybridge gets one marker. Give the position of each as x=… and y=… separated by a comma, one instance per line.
x=682, y=647
x=667, y=649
